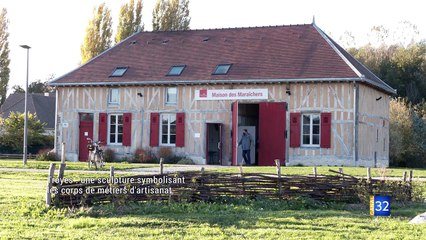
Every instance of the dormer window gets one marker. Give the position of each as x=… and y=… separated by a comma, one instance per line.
x=222, y=69
x=119, y=72
x=176, y=70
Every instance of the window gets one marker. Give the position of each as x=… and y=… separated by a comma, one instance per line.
x=311, y=130
x=171, y=95
x=176, y=70
x=114, y=96
x=115, y=129
x=119, y=72
x=222, y=69
x=168, y=129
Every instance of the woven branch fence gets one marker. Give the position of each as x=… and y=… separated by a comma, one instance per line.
x=210, y=186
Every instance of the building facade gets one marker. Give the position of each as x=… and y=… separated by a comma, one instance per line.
x=303, y=99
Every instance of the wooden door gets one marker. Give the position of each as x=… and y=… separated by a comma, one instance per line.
x=86, y=131
x=272, y=121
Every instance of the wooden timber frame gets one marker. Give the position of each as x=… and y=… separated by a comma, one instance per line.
x=359, y=129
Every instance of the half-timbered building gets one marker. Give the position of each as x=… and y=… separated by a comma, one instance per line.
x=302, y=97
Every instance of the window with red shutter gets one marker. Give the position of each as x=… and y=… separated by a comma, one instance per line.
x=180, y=129
x=155, y=126
x=127, y=129
x=103, y=127
x=295, y=130
x=325, y=130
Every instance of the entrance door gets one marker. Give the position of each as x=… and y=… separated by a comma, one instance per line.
x=272, y=117
x=86, y=131
x=214, y=143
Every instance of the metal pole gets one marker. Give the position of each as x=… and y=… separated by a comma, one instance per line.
x=24, y=157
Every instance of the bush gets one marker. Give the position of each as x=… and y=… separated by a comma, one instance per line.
x=186, y=161
x=46, y=155
x=144, y=156
x=167, y=154
x=109, y=155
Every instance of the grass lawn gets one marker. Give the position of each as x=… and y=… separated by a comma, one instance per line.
x=9, y=163
x=23, y=216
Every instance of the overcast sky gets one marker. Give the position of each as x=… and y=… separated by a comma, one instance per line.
x=54, y=29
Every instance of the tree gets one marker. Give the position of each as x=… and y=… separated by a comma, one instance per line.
x=4, y=55
x=39, y=87
x=171, y=15
x=98, y=33
x=11, y=140
x=18, y=89
x=129, y=20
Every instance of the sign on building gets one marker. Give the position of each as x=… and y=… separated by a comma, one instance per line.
x=231, y=94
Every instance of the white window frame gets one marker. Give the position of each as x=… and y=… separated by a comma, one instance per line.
x=167, y=101
x=311, y=130
x=169, y=125
x=116, y=128
x=111, y=92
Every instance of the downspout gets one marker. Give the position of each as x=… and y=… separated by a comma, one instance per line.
x=356, y=122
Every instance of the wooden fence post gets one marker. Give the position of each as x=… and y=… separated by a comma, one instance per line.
x=111, y=172
x=202, y=170
x=404, y=177
x=63, y=153
x=60, y=181
x=49, y=184
x=410, y=176
x=278, y=164
x=161, y=165
x=315, y=171
x=341, y=171
x=369, y=173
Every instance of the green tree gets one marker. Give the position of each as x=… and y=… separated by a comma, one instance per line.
x=11, y=140
x=129, y=20
x=171, y=15
x=4, y=55
x=39, y=87
x=18, y=89
x=98, y=33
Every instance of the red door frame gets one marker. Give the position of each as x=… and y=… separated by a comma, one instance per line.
x=84, y=126
x=234, y=108
x=272, y=126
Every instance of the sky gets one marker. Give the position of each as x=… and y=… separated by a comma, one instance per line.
x=55, y=29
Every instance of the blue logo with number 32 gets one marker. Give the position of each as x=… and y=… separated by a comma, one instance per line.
x=380, y=205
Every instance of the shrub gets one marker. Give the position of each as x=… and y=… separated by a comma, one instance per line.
x=46, y=155
x=167, y=154
x=144, y=156
x=186, y=161
x=109, y=155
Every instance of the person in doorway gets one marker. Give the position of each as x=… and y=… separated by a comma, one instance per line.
x=245, y=143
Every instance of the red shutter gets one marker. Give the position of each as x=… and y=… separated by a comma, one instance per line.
x=180, y=129
x=325, y=130
x=155, y=127
x=127, y=129
x=295, y=130
x=103, y=127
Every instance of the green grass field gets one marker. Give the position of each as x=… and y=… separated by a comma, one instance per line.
x=23, y=216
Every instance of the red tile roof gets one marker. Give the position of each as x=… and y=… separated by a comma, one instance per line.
x=278, y=53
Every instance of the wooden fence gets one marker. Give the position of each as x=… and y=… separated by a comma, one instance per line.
x=210, y=186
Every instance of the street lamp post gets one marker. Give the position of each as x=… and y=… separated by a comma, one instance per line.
x=24, y=157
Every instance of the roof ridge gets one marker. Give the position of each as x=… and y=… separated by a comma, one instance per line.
x=229, y=28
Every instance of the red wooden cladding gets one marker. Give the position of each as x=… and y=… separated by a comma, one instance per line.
x=180, y=129
x=155, y=127
x=127, y=129
x=295, y=125
x=325, y=130
x=103, y=127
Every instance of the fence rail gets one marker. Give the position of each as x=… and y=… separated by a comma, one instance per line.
x=17, y=156
x=202, y=186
